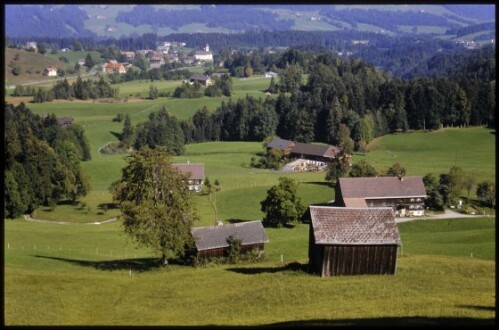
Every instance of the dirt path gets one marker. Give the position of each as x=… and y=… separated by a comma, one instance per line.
x=448, y=214
x=27, y=217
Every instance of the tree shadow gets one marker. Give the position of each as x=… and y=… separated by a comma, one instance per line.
x=388, y=321
x=318, y=183
x=137, y=265
x=236, y=220
x=479, y=308
x=108, y=206
x=116, y=134
x=293, y=267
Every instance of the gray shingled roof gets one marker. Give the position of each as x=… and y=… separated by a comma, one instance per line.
x=249, y=232
x=280, y=144
x=194, y=171
x=382, y=187
x=354, y=226
x=315, y=150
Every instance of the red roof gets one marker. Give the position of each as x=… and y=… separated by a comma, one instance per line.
x=194, y=171
x=354, y=226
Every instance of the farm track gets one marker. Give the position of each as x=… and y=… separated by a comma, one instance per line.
x=27, y=217
x=448, y=214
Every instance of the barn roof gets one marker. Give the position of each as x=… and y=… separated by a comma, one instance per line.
x=354, y=226
x=194, y=171
x=249, y=232
x=382, y=187
x=315, y=150
x=200, y=77
x=280, y=144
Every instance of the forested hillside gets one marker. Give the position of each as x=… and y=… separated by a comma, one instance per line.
x=42, y=161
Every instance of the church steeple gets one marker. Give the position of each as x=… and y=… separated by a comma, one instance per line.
x=207, y=48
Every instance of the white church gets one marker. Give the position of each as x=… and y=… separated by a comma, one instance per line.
x=204, y=55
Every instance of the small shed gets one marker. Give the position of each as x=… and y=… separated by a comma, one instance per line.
x=352, y=241
x=213, y=241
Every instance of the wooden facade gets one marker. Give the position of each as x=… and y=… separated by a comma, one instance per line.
x=224, y=251
x=352, y=241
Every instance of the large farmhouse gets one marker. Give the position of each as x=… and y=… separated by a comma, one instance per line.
x=404, y=194
x=113, y=67
x=352, y=241
x=305, y=150
x=202, y=79
x=214, y=241
x=195, y=173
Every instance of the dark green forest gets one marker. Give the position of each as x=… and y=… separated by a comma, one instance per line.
x=42, y=161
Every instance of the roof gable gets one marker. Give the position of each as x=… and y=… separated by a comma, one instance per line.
x=382, y=187
x=354, y=226
x=249, y=232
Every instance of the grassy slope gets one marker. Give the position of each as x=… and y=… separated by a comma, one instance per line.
x=29, y=62
x=76, y=274
x=79, y=275
x=472, y=149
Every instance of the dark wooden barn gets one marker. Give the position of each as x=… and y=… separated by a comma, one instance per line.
x=213, y=241
x=352, y=241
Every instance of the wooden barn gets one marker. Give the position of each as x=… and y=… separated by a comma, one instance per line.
x=352, y=241
x=213, y=241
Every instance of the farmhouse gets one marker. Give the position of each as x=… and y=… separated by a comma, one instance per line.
x=352, y=241
x=195, y=173
x=404, y=194
x=213, y=241
x=321, y=153
x=203, y=80
x=113, y=67
x=31, y=45
x=50, y=72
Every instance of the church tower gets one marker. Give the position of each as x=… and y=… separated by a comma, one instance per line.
x=207, y=48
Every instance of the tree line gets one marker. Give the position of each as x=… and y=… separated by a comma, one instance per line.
x=345, y=103
x=42, y=161
x=80, y=89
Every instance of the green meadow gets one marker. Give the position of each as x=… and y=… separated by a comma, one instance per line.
x=83, y=273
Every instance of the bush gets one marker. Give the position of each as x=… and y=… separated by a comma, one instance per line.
x=16, y=70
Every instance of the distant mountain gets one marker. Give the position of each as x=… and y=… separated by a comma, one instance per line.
x=24, y=21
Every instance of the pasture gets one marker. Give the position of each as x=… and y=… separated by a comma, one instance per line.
x=91, y=275
x=87, y=274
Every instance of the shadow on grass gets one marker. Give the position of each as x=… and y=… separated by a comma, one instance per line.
x=387, y=321
x=116, y=134
x=107, y=206
x=318, y=183
x=293, y=266
x=479, y=308
x=138, y=265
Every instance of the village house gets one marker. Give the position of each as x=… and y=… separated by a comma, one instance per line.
x=322, y=153
x=270, y=74
x=31, y=45
x=50, y=72
x=352, y=241
x=156, y=62
x=129, y=55
x=65, y=121
x=113, y=67
x=214, y=241
x=204, y=55
x=405, y=195
x=195, y=173
x=203, y=80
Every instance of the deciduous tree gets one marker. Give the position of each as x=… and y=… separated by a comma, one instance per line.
x=156, y=207
x=282, y=205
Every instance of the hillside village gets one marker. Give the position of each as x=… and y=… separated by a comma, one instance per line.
x=279, y=166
